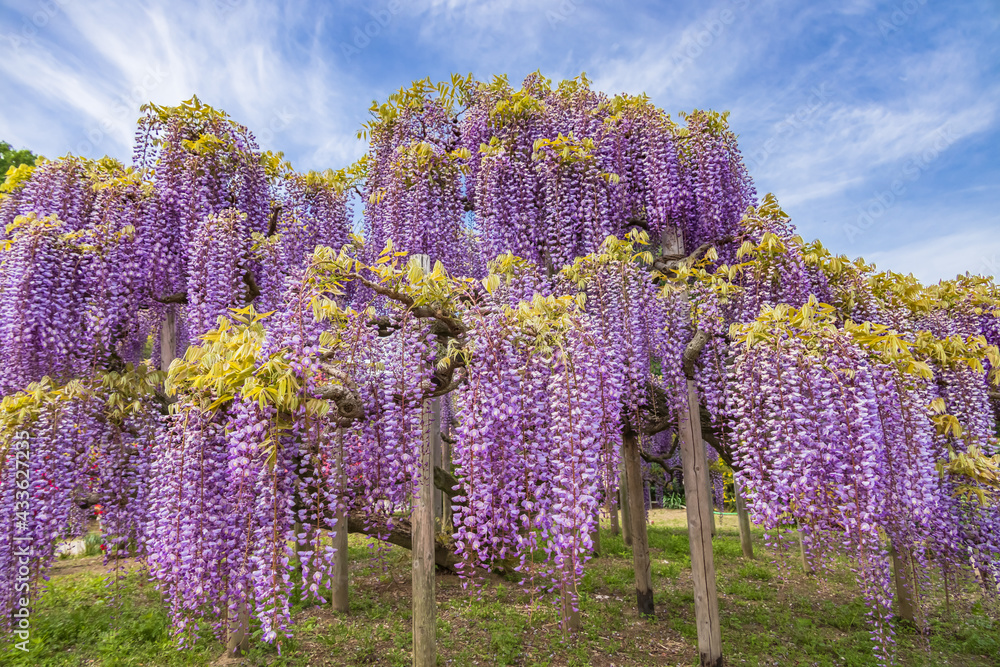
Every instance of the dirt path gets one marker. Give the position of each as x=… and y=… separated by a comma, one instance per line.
x=88, y=565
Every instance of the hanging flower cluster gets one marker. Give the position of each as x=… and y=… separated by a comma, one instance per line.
x=841, y=432
x=583, y=259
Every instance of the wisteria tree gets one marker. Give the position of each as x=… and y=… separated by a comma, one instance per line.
x=548, y=287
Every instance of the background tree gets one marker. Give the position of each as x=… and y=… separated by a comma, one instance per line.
x=12, y=158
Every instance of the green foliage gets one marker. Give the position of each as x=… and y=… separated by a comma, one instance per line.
x=977, y=475
x=117, y=394
x=450, y=95
x=11, y=159
x=769, y=615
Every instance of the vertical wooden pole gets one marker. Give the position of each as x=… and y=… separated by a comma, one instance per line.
x=699, y=508
x=570, y=616
x=647, y=501
x=238, y=634
x=699, y=512
x=338, y=591
x=612, y=506
x=904, y=585
x=806, y=565
x=595, y=535
x=623, y=501
x=438, y=496
x=710, y=490
x=168, y=338
x=447, y=521
x=640, y=542
x=746, y=539
x=947, y=597
x=422, y=520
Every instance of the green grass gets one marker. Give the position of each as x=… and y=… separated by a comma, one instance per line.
x=771, y=614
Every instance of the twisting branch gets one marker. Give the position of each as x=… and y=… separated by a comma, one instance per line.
x=668, y=470
x=253, y=291
x=176, y=297
x=637, y=221
x=447, y=483
x=453, y=326
x=344, y=395
x=272, y=225
x=448, y=382
x=386, y=327
x=693, y=351
x=667, y=263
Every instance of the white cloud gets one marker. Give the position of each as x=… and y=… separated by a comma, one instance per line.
x=237, y=57
x=851, y=138
x=279, y=69
x=946, y=256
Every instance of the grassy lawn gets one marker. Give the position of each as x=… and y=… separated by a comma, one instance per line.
x=771, y=614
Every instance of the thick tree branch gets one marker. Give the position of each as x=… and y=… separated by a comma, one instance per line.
x=401, y=534
x=253, y=291
x=176, y=297
x=668, y=470
x=667, y=263
x=272, y=225
x=446, y=482
x=453, y=326
x=693, y=351
x=344, y=394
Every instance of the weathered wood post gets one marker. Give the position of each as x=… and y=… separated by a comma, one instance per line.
x=640, y=541
x=338, y=591
x=595, y=534
x=699, y=507
x=746, y=539
x=168, y=338
x=612, y=509
x=623, y=501
x=570, y=615
x=238, y=634
x=438, y=496
x=807, y=567
x=710, y=490
x=447, y=520
x=699, y=512
x=904, y=584
x=422, y=520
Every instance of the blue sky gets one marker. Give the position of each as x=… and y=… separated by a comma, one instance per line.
x=876, y=124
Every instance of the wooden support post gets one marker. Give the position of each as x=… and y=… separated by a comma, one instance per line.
x=947, y=597
x=640, y=542
x=338, y=591
x=623, y=501
x=447, y=520
x=699, y=510
x=168, y=338
x=595, y=534
x=570, y=615
x=438, y=496
x=647, y=501
x=746, y=539
x=904, y=584
x=422, y=519
x=238, y=633
x=710, y=489
x=297, y=529
x=807, y=567
x=612, y=507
